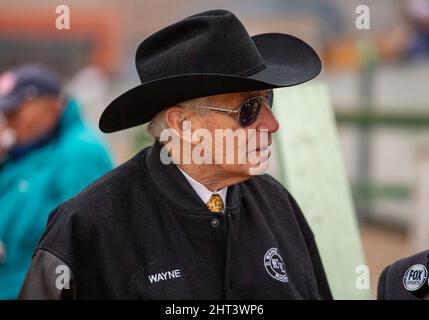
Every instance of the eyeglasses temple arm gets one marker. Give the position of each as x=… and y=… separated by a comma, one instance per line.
x=220, y=109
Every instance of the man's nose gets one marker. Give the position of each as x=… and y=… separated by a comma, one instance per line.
x=267, y=120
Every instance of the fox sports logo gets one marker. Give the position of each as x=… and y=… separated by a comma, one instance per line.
x=415, y=277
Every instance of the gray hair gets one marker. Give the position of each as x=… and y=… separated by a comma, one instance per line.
x=158, y=122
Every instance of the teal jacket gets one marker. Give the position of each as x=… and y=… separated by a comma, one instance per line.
x=32, y=185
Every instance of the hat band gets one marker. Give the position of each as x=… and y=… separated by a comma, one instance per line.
x=252, y=70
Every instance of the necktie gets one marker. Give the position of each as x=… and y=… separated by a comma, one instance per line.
x=215, y=203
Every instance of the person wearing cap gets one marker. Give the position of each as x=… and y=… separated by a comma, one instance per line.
x=47, y=155
x=165, y=225
x=405, y=279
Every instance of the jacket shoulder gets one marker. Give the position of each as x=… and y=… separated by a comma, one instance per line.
x=390, y=283
x=83, y=218
x=100, y=195
x=269, y=188
x=278, y=196
x=269, y=183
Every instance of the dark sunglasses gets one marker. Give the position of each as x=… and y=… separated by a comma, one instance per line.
x=249, y=109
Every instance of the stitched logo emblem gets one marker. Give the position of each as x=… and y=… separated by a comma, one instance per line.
x=274, y=265
x=415, y=277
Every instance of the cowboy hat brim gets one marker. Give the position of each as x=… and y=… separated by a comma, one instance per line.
x=288, y=61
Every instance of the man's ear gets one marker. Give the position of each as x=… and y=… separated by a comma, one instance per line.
x=175, y=117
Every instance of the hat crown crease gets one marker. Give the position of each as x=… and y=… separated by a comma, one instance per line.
x=211, y=42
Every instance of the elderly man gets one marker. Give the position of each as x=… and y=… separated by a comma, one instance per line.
x=181, y=220
x=48, y=155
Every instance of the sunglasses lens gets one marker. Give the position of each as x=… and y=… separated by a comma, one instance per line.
x=249, y=111
x=269, y=98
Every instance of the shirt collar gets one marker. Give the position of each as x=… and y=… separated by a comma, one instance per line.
x=202, y=191
x=175, y=189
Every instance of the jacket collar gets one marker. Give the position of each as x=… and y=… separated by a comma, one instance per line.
x=172, y=184
x=201, y=189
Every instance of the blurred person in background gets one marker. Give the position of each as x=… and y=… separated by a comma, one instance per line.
x=47, y=155
x=418, y=11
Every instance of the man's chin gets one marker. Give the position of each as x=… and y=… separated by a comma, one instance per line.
x=259, y=169
x=259, y=158
x=247, y=171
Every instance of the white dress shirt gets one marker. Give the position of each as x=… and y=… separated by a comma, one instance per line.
x=202, y=191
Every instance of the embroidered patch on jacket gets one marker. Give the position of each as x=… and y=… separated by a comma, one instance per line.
x=274, y=265
x=162, y=276
x=415, y=277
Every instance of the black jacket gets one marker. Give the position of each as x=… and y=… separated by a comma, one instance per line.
x=391, y=282
x=141, y=232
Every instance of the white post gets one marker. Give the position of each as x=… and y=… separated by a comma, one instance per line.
x=419, y=226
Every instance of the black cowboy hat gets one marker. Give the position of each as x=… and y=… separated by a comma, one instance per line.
x=207, y=54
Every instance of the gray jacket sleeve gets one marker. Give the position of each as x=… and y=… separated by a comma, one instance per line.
x=48, y=278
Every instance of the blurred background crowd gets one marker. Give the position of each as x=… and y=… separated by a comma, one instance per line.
x=378, y=81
